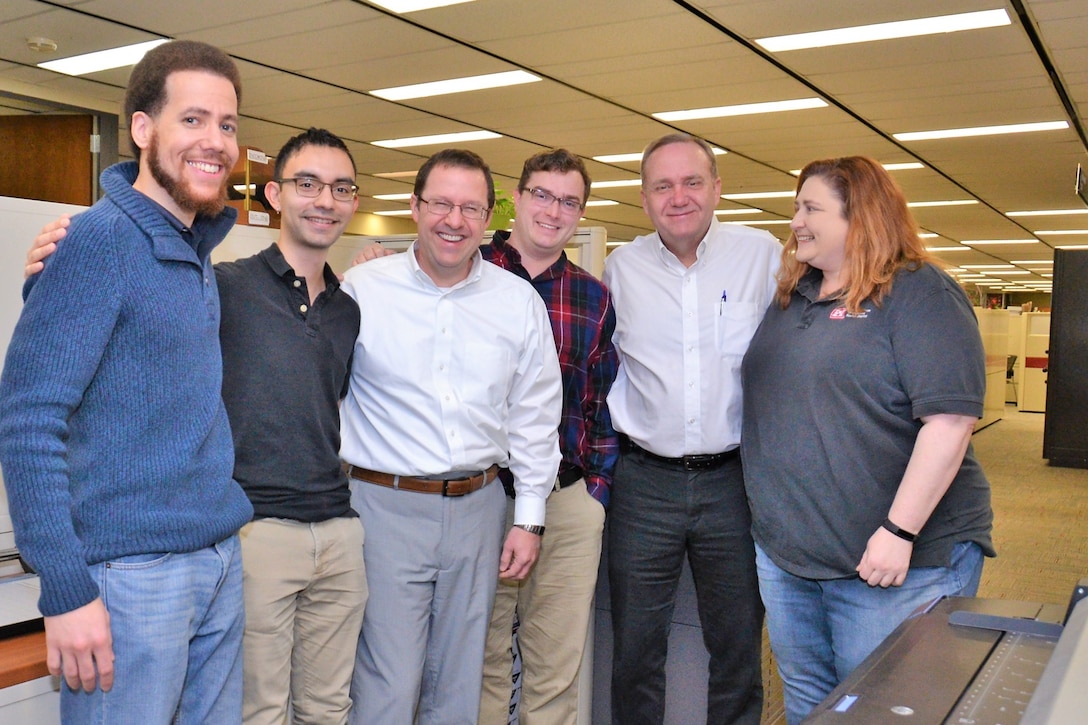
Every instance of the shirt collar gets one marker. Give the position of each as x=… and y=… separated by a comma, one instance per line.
x=670, y=260
x=502, y=247
x=473, y=273
x=273, y=257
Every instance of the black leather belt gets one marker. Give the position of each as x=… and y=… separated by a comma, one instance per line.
x=695, y=462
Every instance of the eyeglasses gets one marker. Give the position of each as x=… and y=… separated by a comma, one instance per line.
x=311, y=188
x=544, y=198
x=440, y=207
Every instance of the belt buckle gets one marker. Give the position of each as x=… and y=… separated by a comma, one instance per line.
x=697, y=462
x=467, y=480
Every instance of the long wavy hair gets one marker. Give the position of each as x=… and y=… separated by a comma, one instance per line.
x=881, y=239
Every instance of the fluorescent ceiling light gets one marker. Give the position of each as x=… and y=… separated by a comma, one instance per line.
x=954, y=202
x=927, y=235
x=887, y=167
x=886, y=31
x=395, y=212
x=618, y=158
x=760, y=195
x=637, y=156
x=602, y=202
x=1062, y=231
x=981, y=131
x=744, y=109
x=396, y=174
x=948, y=249
x=987, y=266
x=1072, y=246
x=79, y=65
x=393, y=197
x=1032, y=261
x=615, y=184
x=411, y=6
x=456, y=85
x=1047, y=212
x=1009, y=272
x=441, y=138
x=988, y=242
x=737, y=212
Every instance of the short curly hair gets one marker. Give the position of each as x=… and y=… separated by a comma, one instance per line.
x=147, y=84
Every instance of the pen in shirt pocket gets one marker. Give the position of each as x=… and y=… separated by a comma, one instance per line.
x=721, y=305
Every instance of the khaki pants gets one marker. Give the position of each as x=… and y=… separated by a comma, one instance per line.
x=305, y=589
x=553, y=605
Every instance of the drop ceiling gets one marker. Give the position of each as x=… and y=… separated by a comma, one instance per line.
x=607, y=66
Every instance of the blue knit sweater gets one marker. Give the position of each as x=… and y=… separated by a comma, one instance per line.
x=113, y=436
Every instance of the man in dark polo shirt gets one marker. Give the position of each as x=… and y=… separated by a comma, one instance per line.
x=287, y=335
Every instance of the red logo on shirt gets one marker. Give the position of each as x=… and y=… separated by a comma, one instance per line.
x=839, y=313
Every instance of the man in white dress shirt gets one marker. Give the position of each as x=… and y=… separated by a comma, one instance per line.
x=455, y=374
x=688, y=300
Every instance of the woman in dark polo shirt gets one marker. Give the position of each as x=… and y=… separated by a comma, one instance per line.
x=861, y=390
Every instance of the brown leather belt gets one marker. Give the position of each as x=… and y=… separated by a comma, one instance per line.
x=445, y=487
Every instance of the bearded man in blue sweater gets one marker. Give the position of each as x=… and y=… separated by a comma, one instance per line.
x=114, y=441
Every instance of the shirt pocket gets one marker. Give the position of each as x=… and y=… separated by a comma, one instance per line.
x=734, y=326
x=486, y=374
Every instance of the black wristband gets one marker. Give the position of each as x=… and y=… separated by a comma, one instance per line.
x=904, y=535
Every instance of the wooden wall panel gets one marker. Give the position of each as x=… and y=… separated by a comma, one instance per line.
x=47, y=157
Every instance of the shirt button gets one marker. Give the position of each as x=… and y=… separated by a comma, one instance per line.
x=297, y=283
x=691, y=421
x=302, y=308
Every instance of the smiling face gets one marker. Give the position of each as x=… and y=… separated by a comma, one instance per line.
x=446, y=243
x=679, y=193
x=317, y=222
x=541, y=231
x=190, y=145
x=820, y=227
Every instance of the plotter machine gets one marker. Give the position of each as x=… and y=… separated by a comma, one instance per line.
x=966, y=661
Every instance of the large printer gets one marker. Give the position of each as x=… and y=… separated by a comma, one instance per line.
x=968, y=661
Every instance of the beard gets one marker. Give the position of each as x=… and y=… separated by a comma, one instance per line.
x=180, y=190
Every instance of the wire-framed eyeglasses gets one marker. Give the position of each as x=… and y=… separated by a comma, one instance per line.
x=311, y=188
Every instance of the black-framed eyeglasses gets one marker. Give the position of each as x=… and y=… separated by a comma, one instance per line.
x=441, y=207
x=311, y=188
x=544, y=198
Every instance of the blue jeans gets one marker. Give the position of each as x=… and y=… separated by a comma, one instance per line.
x=177, y=623
x=659, y=515
x=821, y=629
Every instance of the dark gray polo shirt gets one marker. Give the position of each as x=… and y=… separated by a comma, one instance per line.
x=832, y=403
x=285, y=368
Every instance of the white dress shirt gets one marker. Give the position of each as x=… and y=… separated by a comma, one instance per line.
x=453, y=378
x=681, y=333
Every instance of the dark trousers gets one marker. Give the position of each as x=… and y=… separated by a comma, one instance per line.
x=659, y=513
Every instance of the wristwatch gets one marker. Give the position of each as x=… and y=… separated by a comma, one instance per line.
x=531, y=528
